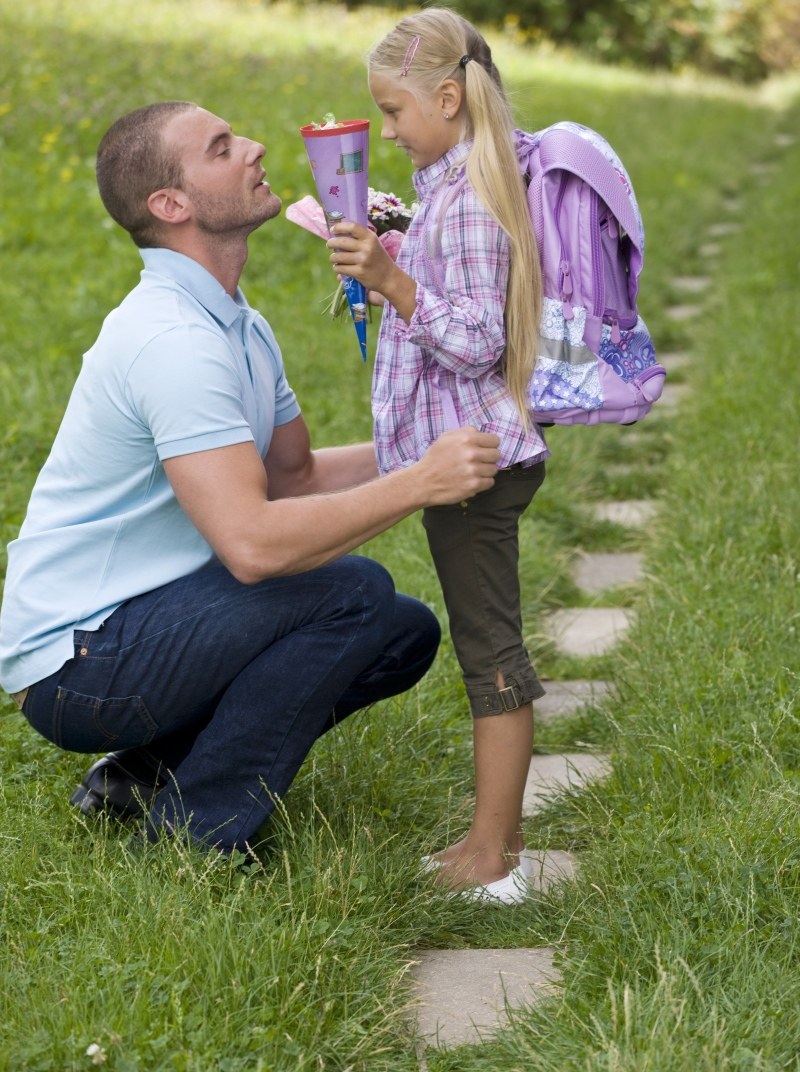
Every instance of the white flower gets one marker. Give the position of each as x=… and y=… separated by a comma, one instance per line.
x=387, y=212
x=97, y=1053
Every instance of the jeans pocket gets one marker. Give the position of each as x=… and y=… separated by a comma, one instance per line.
x=88, y=724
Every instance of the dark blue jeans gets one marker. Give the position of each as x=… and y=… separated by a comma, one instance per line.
x=227, y=686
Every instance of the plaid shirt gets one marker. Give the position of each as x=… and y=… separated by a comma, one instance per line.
x=452, y=343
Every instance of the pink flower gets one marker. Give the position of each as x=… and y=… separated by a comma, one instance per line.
x=391, y=242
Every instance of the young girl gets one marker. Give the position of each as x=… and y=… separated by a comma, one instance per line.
x=456, y=346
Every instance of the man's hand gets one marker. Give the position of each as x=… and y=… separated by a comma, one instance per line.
x=225, y=492
x=458, y=465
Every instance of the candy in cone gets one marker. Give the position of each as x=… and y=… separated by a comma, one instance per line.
x=339, y=159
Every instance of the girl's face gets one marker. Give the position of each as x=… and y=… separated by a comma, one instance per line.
x=416, y=124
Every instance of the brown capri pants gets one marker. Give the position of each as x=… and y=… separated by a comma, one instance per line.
x=475, y=548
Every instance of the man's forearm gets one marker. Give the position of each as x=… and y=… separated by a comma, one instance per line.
x=225, y=493
x=297, y=534
x=337, y=468
x=303, y=533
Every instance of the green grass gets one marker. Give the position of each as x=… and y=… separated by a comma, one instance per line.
x=679, y=940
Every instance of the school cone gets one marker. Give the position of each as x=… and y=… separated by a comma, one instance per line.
x=339, y=159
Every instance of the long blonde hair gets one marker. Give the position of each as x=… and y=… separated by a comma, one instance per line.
x=444, y=37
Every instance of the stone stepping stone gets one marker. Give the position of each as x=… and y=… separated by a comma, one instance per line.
x=462, y=995
x=548, y=867
x=683, y=312
x=672, y=395
x=720, y=230
x=732, y=204
x=632, y=513
x=566, y=697
x=709, y=249
x=550, y=776
x=784, y=140
x=596, y=571
x=673, y=360
x=625, y=469
x=694, y=284
x=588, y=630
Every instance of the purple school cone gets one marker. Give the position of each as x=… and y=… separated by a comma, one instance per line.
x=339, y=159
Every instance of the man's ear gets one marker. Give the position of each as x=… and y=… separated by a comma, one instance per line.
x=451, y=95
x=169, y=205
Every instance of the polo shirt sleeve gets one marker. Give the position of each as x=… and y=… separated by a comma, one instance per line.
x=185, y=387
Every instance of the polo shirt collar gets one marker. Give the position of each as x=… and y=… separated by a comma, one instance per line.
x=199, y=282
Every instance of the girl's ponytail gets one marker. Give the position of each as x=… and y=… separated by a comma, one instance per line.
x=493, y=171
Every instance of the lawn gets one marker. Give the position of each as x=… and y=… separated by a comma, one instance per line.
x=679, y=940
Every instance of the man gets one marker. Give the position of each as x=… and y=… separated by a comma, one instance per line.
x=181, y=589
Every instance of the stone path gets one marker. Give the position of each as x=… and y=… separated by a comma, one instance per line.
x=463, y=995
x=549, y=776
x=673, y=361
x=596, y=572
x=567, y=697
x=630, y=513
x=588, y=630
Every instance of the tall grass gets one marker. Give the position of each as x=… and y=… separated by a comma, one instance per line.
x=679, y=939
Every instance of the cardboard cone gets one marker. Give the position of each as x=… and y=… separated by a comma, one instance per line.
x=339, y=159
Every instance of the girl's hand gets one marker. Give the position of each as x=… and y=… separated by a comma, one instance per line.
x=357, y=251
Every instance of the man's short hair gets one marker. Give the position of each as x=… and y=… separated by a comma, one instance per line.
x=133, y=162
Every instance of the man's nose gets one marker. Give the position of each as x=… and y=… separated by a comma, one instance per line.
x=255, y=151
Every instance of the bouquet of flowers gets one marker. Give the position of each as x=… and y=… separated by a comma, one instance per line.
x=387, y=214
x=389, y=217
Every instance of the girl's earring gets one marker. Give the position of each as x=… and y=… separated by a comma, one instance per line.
x=445, y=115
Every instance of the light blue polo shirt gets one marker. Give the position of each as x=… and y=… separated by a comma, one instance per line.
x=170, y=374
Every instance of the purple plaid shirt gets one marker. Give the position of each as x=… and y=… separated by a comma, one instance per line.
x=454, y=343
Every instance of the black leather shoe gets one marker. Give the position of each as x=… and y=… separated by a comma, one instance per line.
x=111, y=785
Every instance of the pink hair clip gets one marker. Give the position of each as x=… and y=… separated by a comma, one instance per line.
x=409, y=56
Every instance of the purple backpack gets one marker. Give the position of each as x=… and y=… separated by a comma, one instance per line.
x=596, y=361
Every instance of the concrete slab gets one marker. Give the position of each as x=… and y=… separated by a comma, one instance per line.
x=549, y=776
x=462, y=994
x=693, y=284
x=595, y=571
x=632, y=513
x=566, y=697
x=673, y=359
x=547, y=867
x=723, y=228
x=683, y=312
x=588, y=630
x=672, y=395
